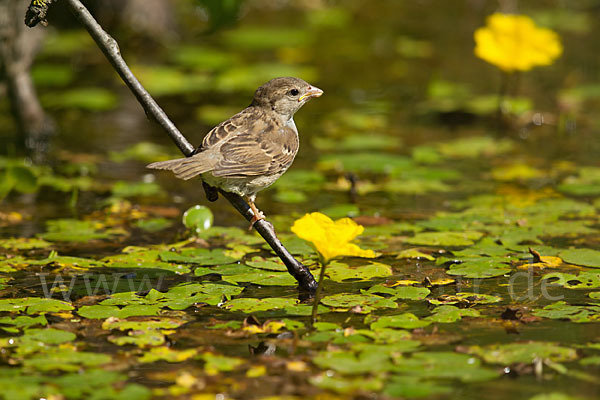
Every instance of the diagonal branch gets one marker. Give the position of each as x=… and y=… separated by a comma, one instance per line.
x=110, y=48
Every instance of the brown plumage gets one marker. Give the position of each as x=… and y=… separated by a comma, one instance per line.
x=249, y=151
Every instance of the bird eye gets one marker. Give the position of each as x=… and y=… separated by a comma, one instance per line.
x=294, y=92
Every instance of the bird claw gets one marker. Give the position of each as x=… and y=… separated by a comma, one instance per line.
x=255, y=219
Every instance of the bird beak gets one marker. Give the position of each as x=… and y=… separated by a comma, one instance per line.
x=312, y=92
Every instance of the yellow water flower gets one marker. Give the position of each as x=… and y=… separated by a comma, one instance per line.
x=331, y=239
x=515, y=43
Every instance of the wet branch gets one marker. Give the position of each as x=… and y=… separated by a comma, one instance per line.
x=110, y=48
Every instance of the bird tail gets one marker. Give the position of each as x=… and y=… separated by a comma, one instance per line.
x=184, y=168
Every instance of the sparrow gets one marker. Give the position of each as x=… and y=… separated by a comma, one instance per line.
x=251, y=150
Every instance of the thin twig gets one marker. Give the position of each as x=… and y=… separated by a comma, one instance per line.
x=110, y=48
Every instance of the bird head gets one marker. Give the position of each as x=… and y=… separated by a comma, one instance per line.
x=285, y=96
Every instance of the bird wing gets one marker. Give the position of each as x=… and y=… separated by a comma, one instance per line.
x=266, y=148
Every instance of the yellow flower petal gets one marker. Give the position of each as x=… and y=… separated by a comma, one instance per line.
x=331, y=239
x=514, y=42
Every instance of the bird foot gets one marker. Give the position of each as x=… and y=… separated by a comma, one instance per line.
x=257, y=217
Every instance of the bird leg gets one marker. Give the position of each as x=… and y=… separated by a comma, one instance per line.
x=258, y=215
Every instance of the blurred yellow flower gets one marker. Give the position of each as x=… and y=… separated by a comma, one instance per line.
x=331, y=239
x=515, y=43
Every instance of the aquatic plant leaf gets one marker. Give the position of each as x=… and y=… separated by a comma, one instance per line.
x=345, y=385
x=582, y=280
x=215, y=363
x=202, y=257
x=563, y=310
x=584, y=257
x=448, y=314
x=464, y=298
x=74, y=230
x=475, y=146
x=402, y=321
x=89, y=99
x=24, y=243
x=413, y=387
x=359, y=302
x=99, y=311
x=167, y=354
x=484, y=267
x=447, y=238
x=262, y=277
x=400, y=292
x=249, y=305
x=339, y=272
x=34, y=305
x=445, y=365
x=198, y=218
x=524, y=352
x=352, y=364
x=153, y=224
x=269, y=264
x=124, y=190
x=65, y=359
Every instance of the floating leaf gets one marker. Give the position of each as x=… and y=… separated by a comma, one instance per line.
x=448, y=314
x=464, y=298
x=402, y=321
x=24, y=243
x=444, y=365
x=198, y=218
x=525, y=352
x=248, y=305
x=562, y=310
x=339, y=272
x=485, y=267
x=197, y=256
x=34, y=305
x=446, y=238
x=583, y=280
x=400, y=292
x=366, y=302
x=584, y=257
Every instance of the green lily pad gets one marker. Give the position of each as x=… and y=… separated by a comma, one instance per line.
x=89, y=99
x=65, y=359
x=448, y=314
x=562, y=310
x=366, y=302
x=197, y=256
x=446, y=238
x=153, y=224
x=526, y=352
x=400, y=292
x=74, y=230
x=198, y=218
x=485, y=267
x=402, y=321
x=466, y=298
x=584, y=257
x=105, y=311
x=214, y=363
x=269, y=264
x=445, y=365
x=583, y=280
x=24, y=243
x=345, y=385
x=352, y=364
x=34, y=305
x=263, y=278
x=413, y=387
x=475, y=146
x=339, y=272
x=124, y=190
x=249, y=305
